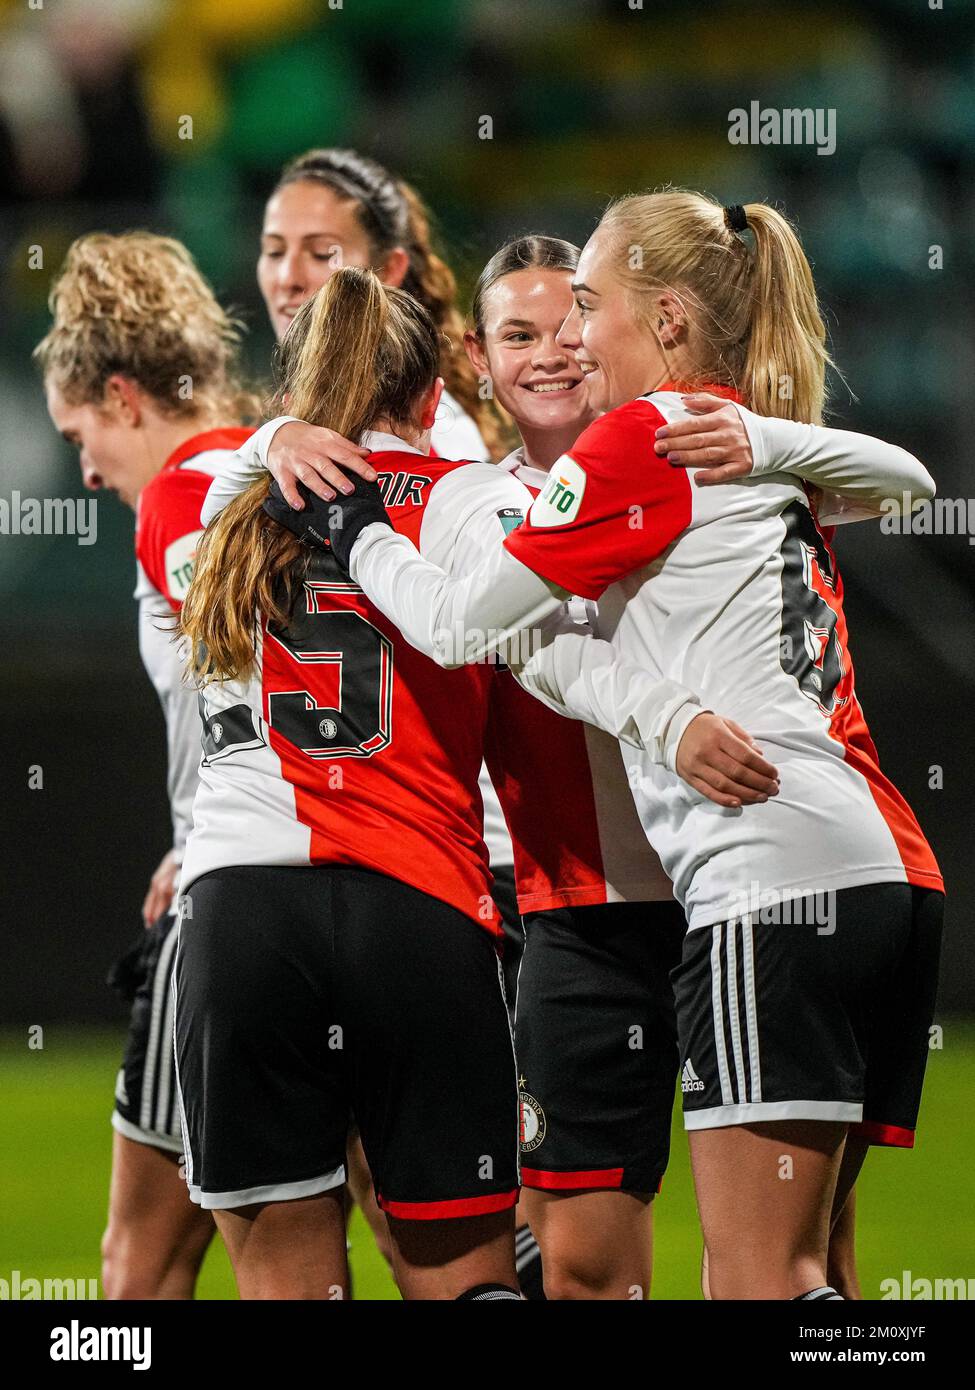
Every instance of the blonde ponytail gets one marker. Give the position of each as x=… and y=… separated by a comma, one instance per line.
x=245, y=564
x=784, y=371
x=327, y=359
x=753, y=320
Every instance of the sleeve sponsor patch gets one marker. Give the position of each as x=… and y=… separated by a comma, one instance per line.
x=510, y=517
x=178, y=564
x=560, y=499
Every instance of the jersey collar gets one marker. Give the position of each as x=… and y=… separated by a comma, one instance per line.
x=378, y=442
x=729, y=392
x=230, y=438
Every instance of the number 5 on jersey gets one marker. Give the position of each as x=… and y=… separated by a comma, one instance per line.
x=340, y=705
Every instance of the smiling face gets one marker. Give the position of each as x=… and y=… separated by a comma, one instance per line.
x=309, y=233
x=537, y=381
x=111, y=453
x=619, y=352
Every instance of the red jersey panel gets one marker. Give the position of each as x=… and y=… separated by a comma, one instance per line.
x=349, y=746
x=609, y=506
x=563, y=787
x=168, y=521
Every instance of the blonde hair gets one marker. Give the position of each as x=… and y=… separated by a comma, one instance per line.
x=136, y=305
x=357, y=353
x=753, y=319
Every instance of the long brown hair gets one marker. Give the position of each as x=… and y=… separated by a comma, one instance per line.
x=754, y=319
x=357, y=353
x=391, y=213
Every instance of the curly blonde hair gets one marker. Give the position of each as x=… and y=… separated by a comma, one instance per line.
x=136, y=304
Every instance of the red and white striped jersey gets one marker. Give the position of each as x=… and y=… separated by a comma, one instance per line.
x=733, y=593
x=454, y=436
x=345, y=745
x=564, y=788
x=166, y=536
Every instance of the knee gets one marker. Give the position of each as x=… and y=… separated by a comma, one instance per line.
x=572, y=1277
x=123, y=1274
x=130, y=1270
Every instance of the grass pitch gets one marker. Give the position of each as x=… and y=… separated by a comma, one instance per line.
x=915, y=1209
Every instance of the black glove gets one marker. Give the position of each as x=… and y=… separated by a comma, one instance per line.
x=335, y=524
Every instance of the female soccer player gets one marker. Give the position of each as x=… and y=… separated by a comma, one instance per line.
x=140, y=369
x=335, y=207
x=736, y=593
x=334, y=954
x=589, y=1184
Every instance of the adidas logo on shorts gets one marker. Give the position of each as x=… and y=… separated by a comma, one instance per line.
x=689, y=1079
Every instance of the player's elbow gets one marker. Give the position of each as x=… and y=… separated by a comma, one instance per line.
x=447, y=648
x=925, y=488
x=457, y=645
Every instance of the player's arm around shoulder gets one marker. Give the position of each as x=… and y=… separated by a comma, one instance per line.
x=462, y=595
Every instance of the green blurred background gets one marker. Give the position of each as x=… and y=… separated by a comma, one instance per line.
x=587, y=99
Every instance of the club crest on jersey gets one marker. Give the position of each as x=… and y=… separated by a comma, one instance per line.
x=531, y=1122
x=560, y=499
x=178, y=564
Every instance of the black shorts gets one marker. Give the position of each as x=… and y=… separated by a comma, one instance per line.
x=146, y=1107
x=513, y=947
x=596, y=1038
x=308, y=998
x=817, y=1009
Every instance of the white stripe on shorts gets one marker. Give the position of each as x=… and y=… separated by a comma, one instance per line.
x=160, y=996
x=733, y=1016
x=751, y=1006
x=717, y=1006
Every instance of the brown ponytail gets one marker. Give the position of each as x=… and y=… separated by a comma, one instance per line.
x=753, y=319
x=357, y=354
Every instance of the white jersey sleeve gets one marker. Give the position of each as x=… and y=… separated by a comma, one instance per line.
x=457, y=620
x=578, y=674
x=454, y=436
x=571, y=671
x=860, y=477
x=241, y=469
x=164, y=662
